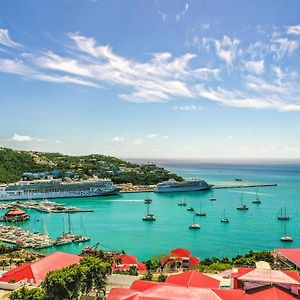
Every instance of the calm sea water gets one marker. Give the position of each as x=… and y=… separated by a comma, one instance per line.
x=117, y=220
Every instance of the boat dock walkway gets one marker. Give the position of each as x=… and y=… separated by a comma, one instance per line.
x=241, y=186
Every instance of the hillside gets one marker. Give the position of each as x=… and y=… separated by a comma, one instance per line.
x=13, y=163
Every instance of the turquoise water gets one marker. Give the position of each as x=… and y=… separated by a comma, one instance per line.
x=117, y=220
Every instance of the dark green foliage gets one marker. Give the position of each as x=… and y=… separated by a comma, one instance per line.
x=14, y=163
x=148, y=276
x=8, y=249
x=162, y=278
x=28, y=294
x=132, y=271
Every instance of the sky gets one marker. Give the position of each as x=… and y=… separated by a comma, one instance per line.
x=151, y=79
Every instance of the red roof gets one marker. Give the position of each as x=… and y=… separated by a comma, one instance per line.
x=163, y=291
x=181, y=252
x=193, y=279
x=270, y=293
x=142, y=285
x=15, y=212
x=194, y=261
x=39, y=269
x=291, y=254
x=240, y=272
x=126, y=261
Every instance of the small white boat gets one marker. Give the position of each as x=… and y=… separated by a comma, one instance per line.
x=242, y=206
x=224, y=219
x=286, y=237
x=194, y=225
x=149, y=217
x=212, y=198
x=256, y=200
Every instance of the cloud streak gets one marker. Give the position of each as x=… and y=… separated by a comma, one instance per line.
x=244, y=76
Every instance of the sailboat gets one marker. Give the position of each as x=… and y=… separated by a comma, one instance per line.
x=182, y=203
x=190, y=209
x=257, y=200
x=242, y=206
x=147, y=200
x=149, y=217
x=224, y=219
x=212, y=198
x=83, y=237
x=286, y=237
x=66, y=237
x=283, y=215
x=201, y=213
x=194, y=225
x=46, y=243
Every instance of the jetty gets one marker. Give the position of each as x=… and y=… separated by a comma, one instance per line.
x=241, y=186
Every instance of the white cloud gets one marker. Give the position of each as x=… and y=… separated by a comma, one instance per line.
x=21, y=138
x=182, y=14
x=165, y=137
x=117, y=139
x=151, y=136
x=6, y=40
x=255, y=66
x=187, y=108
x=295, y=29
x=137, y=142
x=226, y=49
x=164, y=16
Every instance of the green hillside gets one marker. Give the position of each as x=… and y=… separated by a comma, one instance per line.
x=14, y=163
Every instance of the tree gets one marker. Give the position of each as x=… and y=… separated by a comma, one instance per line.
x=28, y=294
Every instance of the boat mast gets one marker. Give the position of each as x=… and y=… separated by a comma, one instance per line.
x=69, y=223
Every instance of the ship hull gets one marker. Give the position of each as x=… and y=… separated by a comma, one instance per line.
x=182, y=189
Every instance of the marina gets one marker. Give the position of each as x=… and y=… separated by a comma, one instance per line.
x=116, y=215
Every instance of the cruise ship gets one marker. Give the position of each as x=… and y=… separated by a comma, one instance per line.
x=56, y=188
x=185, y=186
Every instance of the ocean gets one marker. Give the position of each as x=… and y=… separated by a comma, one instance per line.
x=117, y=222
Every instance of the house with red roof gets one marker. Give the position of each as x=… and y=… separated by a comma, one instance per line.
x=251, y=278
x=161, y=290
x=125, y=261
x=289, y=256
x=179, y=258
x=270, y=293
x=34, y=273
x=193, y=279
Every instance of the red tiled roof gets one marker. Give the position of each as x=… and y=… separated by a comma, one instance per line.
x=194, y=261
x=15, y=212
x=163, y=291
x=193, y=279
x=240, y=272
x=142, y=285
x=39, y=269
x=181, y=252
x=291, y=254
x=128, y=259
x=270, y=293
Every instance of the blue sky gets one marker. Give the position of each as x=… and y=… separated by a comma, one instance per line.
x=157, y=79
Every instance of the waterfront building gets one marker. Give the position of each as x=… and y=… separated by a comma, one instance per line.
x=179, y=259
x=125, y=261
x=15, y=215
x=34, y=273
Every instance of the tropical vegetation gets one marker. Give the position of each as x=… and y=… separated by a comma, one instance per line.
x=15, y=163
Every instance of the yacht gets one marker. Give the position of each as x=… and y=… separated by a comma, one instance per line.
x=182, y=186
x=201, y=213
x=283, y=215
x=242, y=206
x=286, y=237
x=224, y=219
x=149, y=217
x=190, y=209
x=212, y=198
x=182, y=203
x=194, y=225
x=256, y=200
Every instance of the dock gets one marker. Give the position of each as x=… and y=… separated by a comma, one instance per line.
x=241, y=186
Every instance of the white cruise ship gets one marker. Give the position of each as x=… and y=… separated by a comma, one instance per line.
x=185, y=186
x=56, y=188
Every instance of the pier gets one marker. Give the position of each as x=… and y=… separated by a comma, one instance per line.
x=241, y=186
